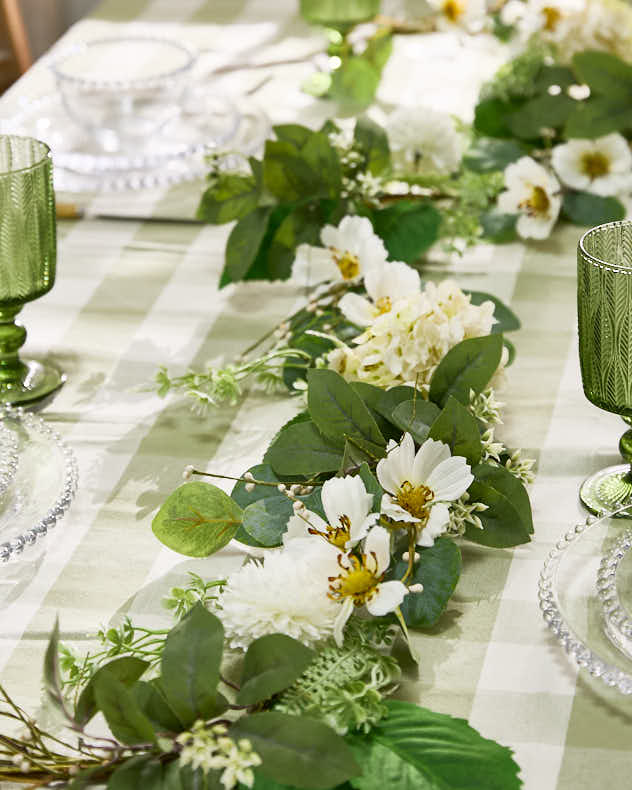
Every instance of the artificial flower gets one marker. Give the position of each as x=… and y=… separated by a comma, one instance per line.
x=532, y=193
x=602, y=166
x=211, y=749
x=405, y=344
x=417, y=485
x=549, y=18
x=360, y=581
x=385, y=285
x=283, y=593
x=468, y=15
x=423, y=140
x=347, y=506
x=349, y=251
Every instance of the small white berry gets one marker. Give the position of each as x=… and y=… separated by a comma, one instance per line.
x=298, y=506
x=416, y=588
x=405, y=556
x=282, y=488
x=248, y=476
x=250, y=487
x=188, y=472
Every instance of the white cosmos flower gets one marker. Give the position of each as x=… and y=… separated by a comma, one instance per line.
x=349, y=251
x=418, y=483
x=282, y=593
x=602, y=166
x=424, y=140
x=467, y=15
x=347, y=506
x=386, y=285
x=533, y=193
x=359, y=581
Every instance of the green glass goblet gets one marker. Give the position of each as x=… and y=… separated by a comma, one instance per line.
x=28, y=251
x=604, y=309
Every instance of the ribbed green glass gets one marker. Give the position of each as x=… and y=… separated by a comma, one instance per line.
x=28, y=248
x=604, y=311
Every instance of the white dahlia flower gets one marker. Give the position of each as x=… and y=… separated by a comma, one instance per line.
x=602, y=166
x=532, y=193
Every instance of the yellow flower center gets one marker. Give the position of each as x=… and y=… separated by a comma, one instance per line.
x=347, y=262
x=552, y=16
x=384, y=305
x=595, y=164
x=337, y=536
x=416, y=500
x=537, y=203
x=452, y=9
x=358, y=580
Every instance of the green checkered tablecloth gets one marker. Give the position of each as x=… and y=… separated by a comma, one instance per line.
x=131, y=296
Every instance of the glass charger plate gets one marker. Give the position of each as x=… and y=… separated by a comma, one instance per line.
x=8, y=457
x=166, y=161
x=576, y=601
x=42, y=487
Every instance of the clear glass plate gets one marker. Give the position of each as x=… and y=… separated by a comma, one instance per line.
x=42, y=487
x=177, y=154
x=576, y=596
x=8, y=457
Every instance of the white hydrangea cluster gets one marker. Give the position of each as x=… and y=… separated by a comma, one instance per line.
x=404, y=344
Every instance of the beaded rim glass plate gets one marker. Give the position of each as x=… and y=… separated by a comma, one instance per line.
x=43, y=486
x=8, y=457
x=575, y=601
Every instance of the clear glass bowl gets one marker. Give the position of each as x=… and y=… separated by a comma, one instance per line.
x=123, y=89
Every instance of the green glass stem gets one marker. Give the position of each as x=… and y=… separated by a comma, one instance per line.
x=12, y=337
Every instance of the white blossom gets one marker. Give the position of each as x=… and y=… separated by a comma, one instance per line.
x=469, y=15
x=602, y=166
x=386, y=286
x=532, y=193
x=423, y=140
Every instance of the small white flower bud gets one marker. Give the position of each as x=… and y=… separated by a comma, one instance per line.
x=311, y=307
x=17, y=759
x=73, y=770
x=327, y=327
x=405, y=556
x=308, y=489
x=320, y=312
x=416, y=588
x=298, y=506
x=282, y=488
x=248, y=476
x=188, y=472
x=250, y=487
x=24, y=766
x=296, y=489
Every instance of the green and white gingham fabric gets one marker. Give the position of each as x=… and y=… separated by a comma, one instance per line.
x=131, y=296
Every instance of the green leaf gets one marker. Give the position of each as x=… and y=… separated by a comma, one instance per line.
x=502, y=524
x=407, y=229
x=488, y=154
x=87, y=778
x=447, y=752
x=123, y=714
x=243, y=244
x=467, y=366
x=272, y=663
x=416, y=417
x=506, y=319
x=541, y=112
x=372, y=142
x=190, y=665
x=336, y=12
x=390, y=399
x=458, y=428
x=127, y=669
x=438, y=569
x=301, y=226
x=372, y=486
x=585, y=208
x=153, y=703
x=354, y=82
x=52, y=673
x=604, y=73
x=197, y=519
x=491, y=117
x=143, y=771
x=339, y=412
x=297, y=750
x=379, y=48
x=499, y=228
x=502, y=480
x=231, y=197
x=292, y=174
x=301, y=449
x=293, y=133
x=266, y=520
x=598, y=116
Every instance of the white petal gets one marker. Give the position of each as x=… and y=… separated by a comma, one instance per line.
x=378, y=542
x=534, y=227
x=430, y=454
x=450, y=478
x=357, y=309
x=437, y=522
x=313, y=265
x=341, y=620
x=387, y=598
x=393, y=470
x=394, y=511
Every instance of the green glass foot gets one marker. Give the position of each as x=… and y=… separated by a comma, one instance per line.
x=608, y=489
x=36, y=383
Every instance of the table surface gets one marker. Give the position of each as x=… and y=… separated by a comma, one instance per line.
x=131, y=296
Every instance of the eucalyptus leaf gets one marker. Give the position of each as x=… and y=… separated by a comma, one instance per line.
x=297, y=750
x=503, y=526
x=438, y=570
x=407, y=228
x=502, y=480
x=492, y=116
x=416, y=417
x=457, y=427
x=467, y=366
x=230, y=197
x=372, y=142
x=498, y=227
x=301, y=449
x=488, y=154
x=190, y=665
x=272, y=663
x=266, y=520
x=506, y=319
x=604, y=73
x=598, y=116
x=541, y=112
x=121, y=710
x=354, y=82
x=243, y=244
x=127, y=669
x=197, y=519
x=588, y=209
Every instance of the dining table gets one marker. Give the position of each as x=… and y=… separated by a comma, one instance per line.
x=137, y=289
